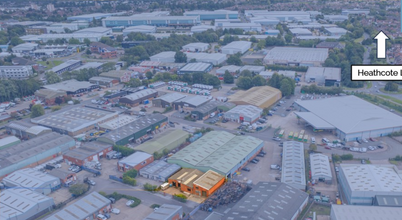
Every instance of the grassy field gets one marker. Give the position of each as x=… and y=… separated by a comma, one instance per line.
x=399, y=91
x=320, y=210
x=51, y=63
x=392, y=99
x=359, y=40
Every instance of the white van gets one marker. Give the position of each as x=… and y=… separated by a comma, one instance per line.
x=164, y=186
x=212, y=115
x=313, y=140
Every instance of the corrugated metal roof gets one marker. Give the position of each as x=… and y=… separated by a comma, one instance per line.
x=293, y=167
x=8, y=140
x=135, y=159
x=31, y=179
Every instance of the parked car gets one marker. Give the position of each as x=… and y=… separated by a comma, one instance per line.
x=372, y=139
x=363, y=161
x=107, y=215
x=115, y=211
x=359, y=141
x=364, y=140
x=263, y=152
x=101, y=217
x=276, y=139
x=336, y=169
x=129, y=202
x=242, y=133
x=258, y=160
x=327, y=147
x=246, y=169
x=260, y=155
x=269, y=114
x=254, y=161
x=379, y=146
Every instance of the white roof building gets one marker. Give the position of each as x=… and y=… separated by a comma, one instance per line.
x=336, y=31
x=230, y=68
x=320, y=167
x=236, y=47
x=244, y=113
x=351, y=117
x=201, y=28
x=145, y=29
x=293, y=167
x=196, y=47
x=195, y=68
x=336, y=18
x=245, y=26
x=362, y=182
x=300, y=32
x=213, y=58
x=166, y=57
x=297, y=56
x=117, y=122
x=93, y=37
x=25, y=48
x=135, y=159
x=253, y=69
x=355, y=212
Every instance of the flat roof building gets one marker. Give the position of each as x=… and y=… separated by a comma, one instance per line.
x=15, y=72
x=219, y=151
x=166, y=56
x=184, y=179
x=243, y=113
x=75, y=120
x=245, y=26
x=150, y=19
x=212, y=15
x=296, y=56
x=231, y=68
x=9, y=142
x=87, y=152
x=208, y=183
x=335, y=31
x=189, y=103
x=20, y=203
x=103, y=81
x=136, y=130
x=320, y=168
x=388, y=201
x=166, y=142
x=352, y=212
x=90, y=65
x=327, y=76
x=260, y=96
x=195, y=68
x=196, y=47
x=145, y=29
x=72, y=86
x=236, y=47
x=213, y=58
x=118, y=122
x=167, y=100
x=66, y=66
x=201, y=28
x=87, y=207
x=252, y=69
x=140, y=97
x=33, y=152
x=293, y=167
x=362, y=182
x=300, y=32
x=344, y=116
x=166, y=212
x=136, y=161
x=204, y=111
x=355, y=11
x=90, y=17
x=34, y=180
x=159, y=170
x=269, y=200
x=121, y=75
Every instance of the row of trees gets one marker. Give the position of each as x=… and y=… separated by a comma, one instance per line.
x=200, y=78
x=321, y=90
x=285, y=84
x=11, y=89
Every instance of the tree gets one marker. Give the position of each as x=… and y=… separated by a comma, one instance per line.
x=58, y=100
x=37, y=110
x=87, y=41
x=180, y=57
x=119, y=38
x=134, y=83
x=244, y=82
x=288, y=38
x=56, y=108
x=130, y=181
x=246, y=73
x=274, y=81
x=16, y=41
x=259, y=81
x=228, y=78
x=88, y=52
x=149, y=75
x=78, y=189
x=234, y=60
x=253, y=39
x=131, y=173
x=313, y=147
x=107, y=41
x=286, y=88
x=73, y=41
x=52, y=78
x=391, y=86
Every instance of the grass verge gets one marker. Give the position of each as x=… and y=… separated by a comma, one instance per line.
x=388, y=92
x=51, y=63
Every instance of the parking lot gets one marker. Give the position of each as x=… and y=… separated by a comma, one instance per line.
x=128, y=213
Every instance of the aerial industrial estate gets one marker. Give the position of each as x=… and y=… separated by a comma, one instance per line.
x=208, y=111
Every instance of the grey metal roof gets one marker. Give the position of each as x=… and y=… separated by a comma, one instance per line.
x=87, y=149
x=37, y=129
x=171, y=97
x=133, y=127
x=194, y=100
x=209, y=106
x=135, y=158
x=314, y=120
x=140, y=94
x=30, y=179
x=81, y=209
x=75, y=118
x=355, y=212
x=165, y=212
x=388, y=200
x=60, y=173
x=249, y=111
x=351, y=114
x=90, y=65
x=328, y=72
x=297, y=54
x=71, y=85
x=20, y=125
x=64, y=65
x=17, y=202
x=293, y=167
x=8, y=140
x=160, y=168
x=320, y=165
x=267, y=201
x=32, y=147
x=196, y=67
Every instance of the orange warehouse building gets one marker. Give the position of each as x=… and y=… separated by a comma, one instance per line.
x=184, y=179
x=208, y=183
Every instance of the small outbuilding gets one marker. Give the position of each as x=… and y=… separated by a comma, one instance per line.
x=137, y=161
x=159, y=170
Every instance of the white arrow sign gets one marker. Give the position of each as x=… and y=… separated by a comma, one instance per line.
x=381, y=46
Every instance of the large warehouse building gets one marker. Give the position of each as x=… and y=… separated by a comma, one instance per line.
x=213, y=58
x=320, y=168
x=260, y=96
x=327, y=76
x=344, y=117
x=212, y=15
x=296, y=56
x=140, y=97
x=167, y=100
x=351, y=212
x=166, y=142
x=269, y=200
x=87, y=152
x=141, y=19
x=23, y=204
x=135, y=131
x=74, y=121
x=33, y=180
x=87, y=207
x=362, y=182
x=293, y=167
x=243, y=113
x=236, y=47
x=219, y=151
x=33, y=152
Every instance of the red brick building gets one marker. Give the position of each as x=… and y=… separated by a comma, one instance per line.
x=48, y=96
x=104, y=50
x=90, y=151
